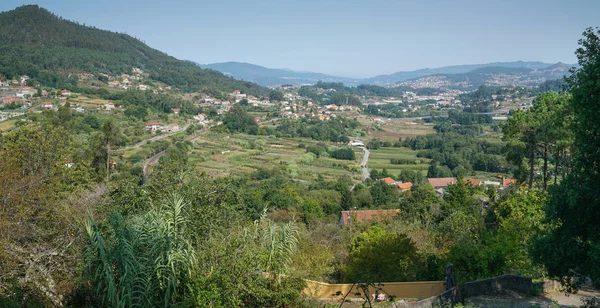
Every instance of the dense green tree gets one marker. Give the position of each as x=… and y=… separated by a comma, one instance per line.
x=383, y=193
x=422, y=205
x=111, y=133
x=238, y=120
x=276, y=96
x=380, y=256
x=345, y=153
x=572, y=247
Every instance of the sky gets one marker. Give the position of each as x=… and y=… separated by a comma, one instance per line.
x=343, y=37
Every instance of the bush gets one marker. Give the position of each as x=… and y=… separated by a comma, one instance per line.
x=346, y=154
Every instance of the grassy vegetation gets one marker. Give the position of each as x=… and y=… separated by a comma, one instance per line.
x=393, y=129
x=226, y=155
x=8, y=124
x=380, y=159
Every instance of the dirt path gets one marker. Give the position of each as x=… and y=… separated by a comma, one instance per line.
x=552, y=299
x=573, y=300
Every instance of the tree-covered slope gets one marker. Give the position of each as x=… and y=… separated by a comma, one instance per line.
x=35, y=42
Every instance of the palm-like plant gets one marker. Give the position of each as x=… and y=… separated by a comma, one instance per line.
x=279, y=242
x=148, y=259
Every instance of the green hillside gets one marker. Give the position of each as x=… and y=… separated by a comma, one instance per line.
x=35, y=42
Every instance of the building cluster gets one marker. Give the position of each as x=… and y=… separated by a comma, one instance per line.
x=402, y=186
x=156, y=127
x=128, y=81
x=441, y=184
x=306, y=108
x=435, y=81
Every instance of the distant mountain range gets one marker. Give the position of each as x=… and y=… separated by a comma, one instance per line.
x=273, y=77
x=490, y=76
x=455, y=76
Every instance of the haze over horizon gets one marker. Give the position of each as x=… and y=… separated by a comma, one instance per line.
x=352, y=39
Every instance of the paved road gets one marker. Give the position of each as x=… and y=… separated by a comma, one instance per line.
x=365, y=169
x=363, y=164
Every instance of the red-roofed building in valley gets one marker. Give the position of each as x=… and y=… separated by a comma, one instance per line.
x=473, y=182
x=47, y=105
x=348, y=217
x=331, y=107
x=507, y=182
x=388, y=181
x=176, y=110
x=405, y=186
x=236, y=92
x=65, y=93
x=441, y=182
x=11, y=99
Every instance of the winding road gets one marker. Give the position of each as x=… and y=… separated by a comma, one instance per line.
x=159, y=137
x=156, y=158
x=365, y=170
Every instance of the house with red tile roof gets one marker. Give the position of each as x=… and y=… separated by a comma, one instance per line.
x=507, y=182
x=10, y=99
x=474, y=182
x=404, y=186
x=348, y=217
x=441, y=182
x=388, y=181
x=176, y=110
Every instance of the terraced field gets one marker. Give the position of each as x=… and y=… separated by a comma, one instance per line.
x=224, y=155
x=380, y=159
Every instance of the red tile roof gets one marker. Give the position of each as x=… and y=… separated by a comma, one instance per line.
x=152, y=123
x=367, y=215
x=441, y=182
x=506, y=182
x=474, y=182
x=10, y=99
x=405, y=185
x=388, y=180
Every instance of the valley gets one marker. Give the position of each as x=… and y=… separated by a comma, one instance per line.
x=132, y=178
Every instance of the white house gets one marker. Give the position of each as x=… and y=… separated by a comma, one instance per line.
x=153, y=126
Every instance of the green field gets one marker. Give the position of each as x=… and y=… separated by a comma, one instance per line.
x=394, y=129
x=380, y=159
x=8, y=124
x=224, y=155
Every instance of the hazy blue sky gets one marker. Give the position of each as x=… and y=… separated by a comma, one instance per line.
x=343, y=37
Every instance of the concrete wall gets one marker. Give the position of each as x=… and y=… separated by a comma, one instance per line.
x=415, y=290
x=492, y=286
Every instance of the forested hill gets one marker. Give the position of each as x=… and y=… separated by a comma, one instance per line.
x=35, y=42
